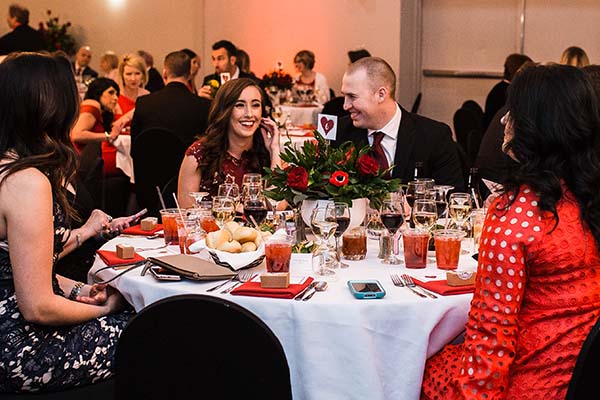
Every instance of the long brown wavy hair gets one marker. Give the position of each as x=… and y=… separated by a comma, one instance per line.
x=216, y=141
x=38, y=107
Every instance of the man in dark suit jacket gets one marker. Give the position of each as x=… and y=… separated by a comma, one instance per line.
x=224, y=56
x=81, y=66
x=23, y=37
x=174, y=107
x=369, y=89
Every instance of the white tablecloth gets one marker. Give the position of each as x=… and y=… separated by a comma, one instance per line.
x=301, y=115
x=123, y=157
x=337, y=347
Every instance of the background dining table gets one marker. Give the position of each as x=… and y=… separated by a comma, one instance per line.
x=337, y=347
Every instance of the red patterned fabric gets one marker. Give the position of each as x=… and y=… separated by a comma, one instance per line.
x=537, y=295
x=231, y=166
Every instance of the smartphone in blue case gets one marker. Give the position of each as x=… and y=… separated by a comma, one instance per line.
x=368, y=289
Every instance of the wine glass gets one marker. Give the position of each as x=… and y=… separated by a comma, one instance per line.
x=323, y=226
x=459, y=208
x=342, y=218
x=231, y=190
x=392, y=217
x=223, y=209
x=255, y=210
x=198, y=197
x=424, y=214
x=415, y=190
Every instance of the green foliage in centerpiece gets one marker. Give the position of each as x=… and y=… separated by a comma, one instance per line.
x=319, y=171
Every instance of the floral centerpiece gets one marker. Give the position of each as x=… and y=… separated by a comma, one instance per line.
x=56, y=36
x=319, y=171
x=278, y=79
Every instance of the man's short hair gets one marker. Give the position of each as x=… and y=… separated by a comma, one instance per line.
x=148, y=59
x=20, y=13
x=178, y=65
x=228, y=46
x=379, y=72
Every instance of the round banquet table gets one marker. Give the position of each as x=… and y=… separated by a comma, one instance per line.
x=337, y=347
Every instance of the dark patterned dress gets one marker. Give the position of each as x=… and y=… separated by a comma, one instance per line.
x=48, y=358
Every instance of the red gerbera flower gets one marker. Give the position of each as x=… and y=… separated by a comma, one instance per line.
x=339, y=178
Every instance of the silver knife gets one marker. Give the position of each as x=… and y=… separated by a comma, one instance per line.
x=306, y=289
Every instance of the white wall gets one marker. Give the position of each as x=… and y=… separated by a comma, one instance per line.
x=479, y=34
x=268, y=30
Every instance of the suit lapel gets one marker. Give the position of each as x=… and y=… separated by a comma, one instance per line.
x=404, y=145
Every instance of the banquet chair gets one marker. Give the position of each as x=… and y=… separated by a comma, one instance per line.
x=198, y=346
x=583, y=384
x=157, y=154
x=98, y=391
x=89, y=171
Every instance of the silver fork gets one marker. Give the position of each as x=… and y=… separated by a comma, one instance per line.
x=396, y=280
x=244, y=276
x=408, y=281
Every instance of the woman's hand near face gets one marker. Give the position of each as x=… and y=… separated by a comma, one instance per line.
x=271, y=135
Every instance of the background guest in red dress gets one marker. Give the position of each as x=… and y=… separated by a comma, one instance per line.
x=536, y=295
x=238, y=140
x=133, y=76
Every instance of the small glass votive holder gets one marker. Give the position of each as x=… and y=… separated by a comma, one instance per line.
x=354, y=244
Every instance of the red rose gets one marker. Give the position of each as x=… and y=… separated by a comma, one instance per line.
x=298, y=178
x=339, y=178
x=367, y=165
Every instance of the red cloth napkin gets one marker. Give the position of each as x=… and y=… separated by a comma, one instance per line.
x=110, y=258
x=253, y=289
x=137, y=230
x=443, y=288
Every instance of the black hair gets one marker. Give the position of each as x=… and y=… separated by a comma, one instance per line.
x=227, y=45
x=94, y=92
x=555, y=118
x=38, y=108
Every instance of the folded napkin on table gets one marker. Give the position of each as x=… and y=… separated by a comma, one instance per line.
x=441, y=286
x=251, y=288
x=137, y=230
x=110, y=258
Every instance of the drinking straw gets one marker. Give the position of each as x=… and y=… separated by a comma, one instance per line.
x=178, y=209
x=475, y=198
x=162, y=201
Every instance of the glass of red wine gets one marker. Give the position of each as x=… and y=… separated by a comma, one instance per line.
x=255, y=210
x=342, y=218
x=392, y=216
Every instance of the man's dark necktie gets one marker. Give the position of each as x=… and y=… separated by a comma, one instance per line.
x=377, y=151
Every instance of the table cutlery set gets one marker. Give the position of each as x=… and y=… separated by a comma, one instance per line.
x=407, y=282
x=309, y=292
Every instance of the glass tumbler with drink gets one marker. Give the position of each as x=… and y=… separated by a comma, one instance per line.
x=447, y=247
x=278, y=253
x=167, y=217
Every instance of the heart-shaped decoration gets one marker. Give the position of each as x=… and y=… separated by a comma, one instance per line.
x=327, y=124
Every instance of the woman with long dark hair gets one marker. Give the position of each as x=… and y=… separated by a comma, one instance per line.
x=537, y=288
x=238, y=140
x=55, y=333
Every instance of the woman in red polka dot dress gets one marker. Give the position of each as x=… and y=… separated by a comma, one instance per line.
x=537, y=293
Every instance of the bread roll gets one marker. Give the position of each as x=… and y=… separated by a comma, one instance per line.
x=245, y=234
x=232, y=226
x=231, y=247
x=248, y=247
x=217, y=238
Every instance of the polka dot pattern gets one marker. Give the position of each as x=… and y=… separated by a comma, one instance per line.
x=536, y=297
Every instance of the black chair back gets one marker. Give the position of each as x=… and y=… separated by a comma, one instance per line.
x=157, y=154
x=89, y=172
x=583, y=385
x=198, y=346
x=468, y=128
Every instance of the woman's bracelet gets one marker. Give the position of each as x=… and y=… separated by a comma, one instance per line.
x=76, y=290
x=107, y=136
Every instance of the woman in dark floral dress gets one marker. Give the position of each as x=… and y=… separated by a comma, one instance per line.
x=55, y=333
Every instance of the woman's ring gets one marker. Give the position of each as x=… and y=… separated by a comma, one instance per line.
x=109, y=218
